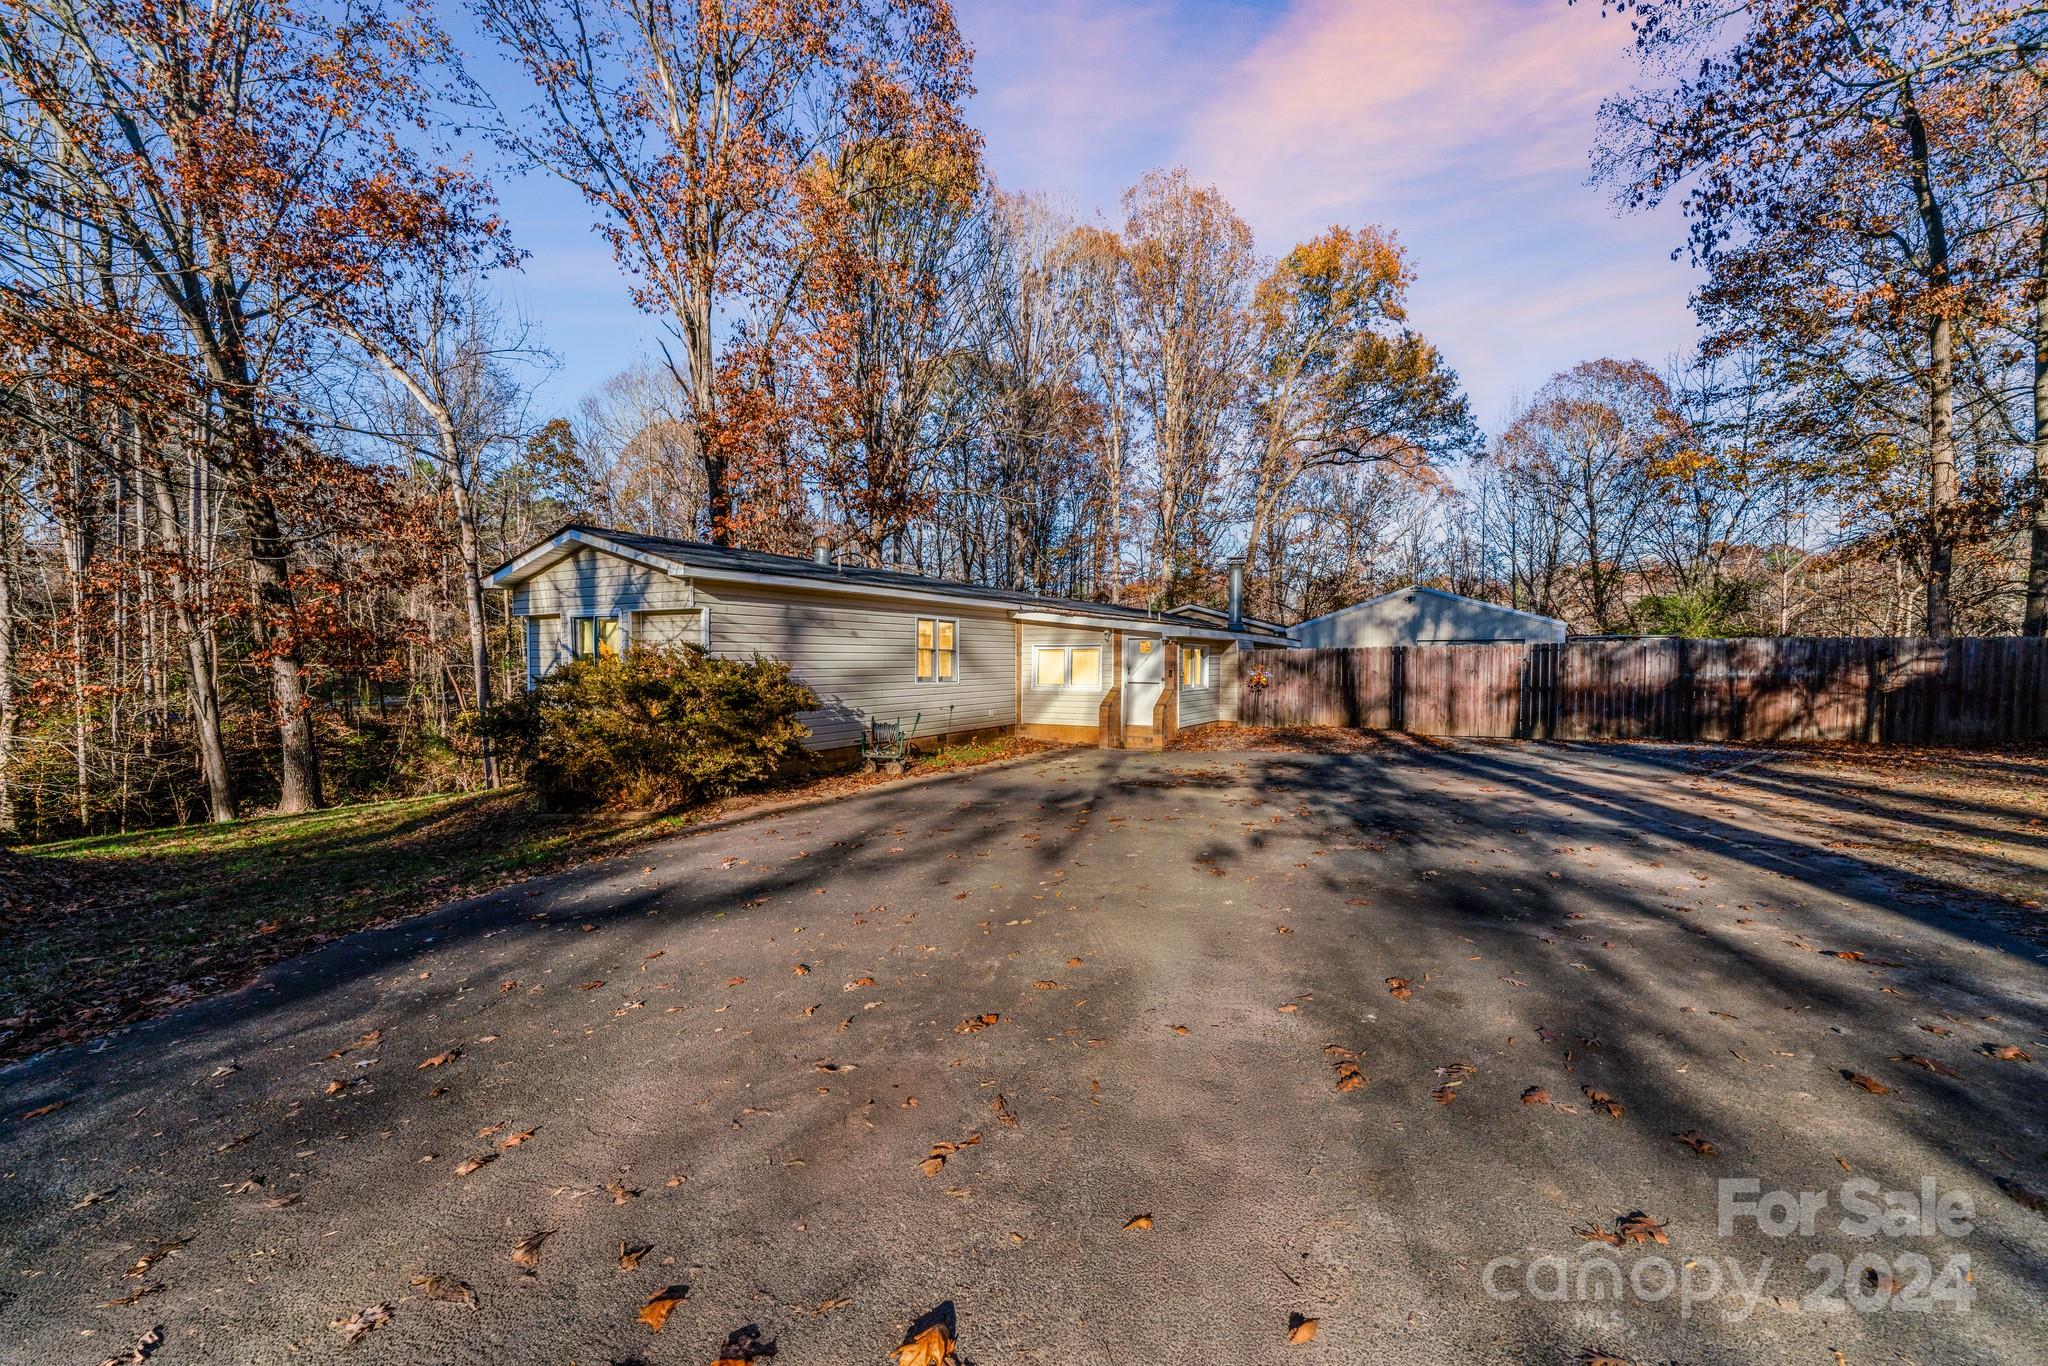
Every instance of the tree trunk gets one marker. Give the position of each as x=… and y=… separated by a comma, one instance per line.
x=2036, y=623
x=1941, y=488
x=1941, y=418
x=9, y=825
x=472, y=593
x=274, y=624
x=199, y=688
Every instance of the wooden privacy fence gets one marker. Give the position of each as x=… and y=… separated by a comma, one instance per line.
x=1976, y=690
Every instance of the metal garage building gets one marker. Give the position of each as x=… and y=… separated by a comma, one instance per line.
x=1424, y=616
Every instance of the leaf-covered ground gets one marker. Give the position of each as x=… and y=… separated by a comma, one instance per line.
x=1183, y=1058
x=97, y=933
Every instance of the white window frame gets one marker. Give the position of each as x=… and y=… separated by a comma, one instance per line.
x=937, y=679
x=596, y=650
x=1201, y=655
x=1066, y=654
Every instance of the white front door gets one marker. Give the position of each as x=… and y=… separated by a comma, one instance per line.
x=1144, y=677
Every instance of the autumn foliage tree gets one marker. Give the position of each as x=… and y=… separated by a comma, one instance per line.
x=241, y=163
x=689, y=126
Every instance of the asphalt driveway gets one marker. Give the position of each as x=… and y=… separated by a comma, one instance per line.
x=1122, y=987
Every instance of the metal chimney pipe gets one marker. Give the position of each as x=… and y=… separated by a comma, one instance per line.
x=821, y=549
x=1236, y=563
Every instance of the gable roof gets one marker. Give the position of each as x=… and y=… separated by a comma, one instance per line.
x=698, y=559
x=1435, y=593
x=1253, y=625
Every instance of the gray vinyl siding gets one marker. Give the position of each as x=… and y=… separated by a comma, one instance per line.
x=591, y=583
x=1062, y=706
x=1198, y=705
x=665, y=629
x=859, y=655
x=1227, y=666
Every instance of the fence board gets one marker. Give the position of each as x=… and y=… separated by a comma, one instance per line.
x=1898, y=691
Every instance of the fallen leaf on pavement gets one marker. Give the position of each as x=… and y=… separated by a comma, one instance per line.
x=1535, y=1095
x=139, y=1353
x=1604, y=1103
x=447, y=1289
x=1639, y=1227
x=932, y=1347
x=974, y=1024
x=1140, y=1221
x=1870, y=1084
x=439, y=1060
x=526, y=1252
x=362, y=1321
x=139, y=1292
x=1698, y=1142
x=1300, y=1329
x=1397, y=987
x=629, y=1256
x=470, y=1164
x=2007, y=1052
x=660, y=1305
x=514, y=1140
x=1934, y=1065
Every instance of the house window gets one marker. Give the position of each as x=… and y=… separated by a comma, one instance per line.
x=1078, y=667
x=1194, y=666
x=595, y=638
x=937, y=660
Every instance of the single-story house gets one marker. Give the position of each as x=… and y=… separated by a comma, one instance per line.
x=1424, y=616
x=883, y=644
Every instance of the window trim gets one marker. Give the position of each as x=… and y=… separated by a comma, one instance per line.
x=575, y=624
x=1199, y=653
x=937, y=679
x=1066, y=654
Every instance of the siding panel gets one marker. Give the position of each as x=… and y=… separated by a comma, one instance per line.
x=1062, y=706
x=860, y=658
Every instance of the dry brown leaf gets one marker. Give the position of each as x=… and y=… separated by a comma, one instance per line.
x=334, y=1088
x=1604, y=1103
x=1043, y=985
x=1934, y=1065
x=932, y=1347
x=1141, y=1221
x=1594, y=1233
x=1535, y=1095
x=1301, y=1329
x=1698, y=1142
x=447, y=1289
x=514, y=1140
x=1349, y=1078
x=362, y=1321
x=1397, y=987
x=1639, y=1227
x=440, y=1059
x=630, y=1255
x=1073, y=962
x=660, y=1305
x=470, y=1164
x=52, y=1108
x=526, y=1252
x=857, y=983
x=800, y=970
x=1870, y=1084
x=140, y=1352
x=2007, y=1052
x=974, y=1024
x=620, y=1192
x=139, y=1292
x=591, y=985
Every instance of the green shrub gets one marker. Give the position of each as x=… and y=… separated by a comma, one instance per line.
x=654, y=728
x=1720, y=609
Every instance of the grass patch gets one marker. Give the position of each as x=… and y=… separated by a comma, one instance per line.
x=115, y=928
x=99, y=932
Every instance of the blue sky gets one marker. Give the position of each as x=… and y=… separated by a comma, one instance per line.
x=1463, y=125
